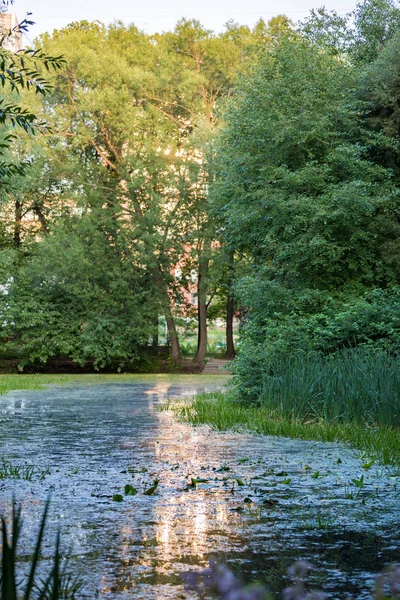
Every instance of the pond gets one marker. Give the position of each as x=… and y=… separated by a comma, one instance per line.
x=262, y=503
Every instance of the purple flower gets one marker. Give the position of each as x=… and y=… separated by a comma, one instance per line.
x=224, y=583
x=387, y=584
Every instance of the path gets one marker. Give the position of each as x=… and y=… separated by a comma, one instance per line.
x=216, y=366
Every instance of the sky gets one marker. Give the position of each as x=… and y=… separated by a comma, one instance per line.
x=162, y=15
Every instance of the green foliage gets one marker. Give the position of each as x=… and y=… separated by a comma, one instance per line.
x=306, y=200
x=376, y=22
x=378, y=92
x=348, y=386
x=371, y=321
x=79, y=297
x=298, y=195
x=20, y=71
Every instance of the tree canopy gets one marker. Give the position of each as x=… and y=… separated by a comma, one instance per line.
x=264, y=160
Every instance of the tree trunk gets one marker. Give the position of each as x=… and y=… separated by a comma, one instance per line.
x=37, y=209
x=176, y=358
x=198, y=360
x=230, y=309
x=18, y=223
x=154, y=341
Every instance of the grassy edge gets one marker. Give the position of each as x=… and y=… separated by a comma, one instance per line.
x=381, y=444
x=22, y=382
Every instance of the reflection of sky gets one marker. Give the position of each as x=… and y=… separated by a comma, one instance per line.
x=182, y=526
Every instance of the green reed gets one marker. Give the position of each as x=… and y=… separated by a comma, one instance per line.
x=58, y=585
x=351, y=386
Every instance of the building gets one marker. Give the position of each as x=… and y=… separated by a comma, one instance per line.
x=10, y=36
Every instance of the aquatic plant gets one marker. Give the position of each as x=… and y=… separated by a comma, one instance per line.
x=351, y=386
x=151, y=490
x=21, y=471
x=59, y=585
x=222, y=412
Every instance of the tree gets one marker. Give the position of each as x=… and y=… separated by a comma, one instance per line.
x=138, y=111
x=300, y=197
x=79, y=295
x=376, y=22
x=20, y=71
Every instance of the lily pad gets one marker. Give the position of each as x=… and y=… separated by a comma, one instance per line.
x=130, y=490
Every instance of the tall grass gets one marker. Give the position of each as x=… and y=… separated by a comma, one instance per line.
x=351, y=396
x=220, y=412
x=58, y=585
x=351, y=386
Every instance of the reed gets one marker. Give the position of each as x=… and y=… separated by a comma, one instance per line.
x=350, y=386
x=222, y=413
x=58, y=585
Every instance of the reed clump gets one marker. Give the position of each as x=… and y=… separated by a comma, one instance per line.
x=351, y=386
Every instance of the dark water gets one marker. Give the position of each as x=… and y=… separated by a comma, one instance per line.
x=297, y=499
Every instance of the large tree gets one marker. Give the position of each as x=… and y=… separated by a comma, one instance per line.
x=301, y=196
x=139, y=111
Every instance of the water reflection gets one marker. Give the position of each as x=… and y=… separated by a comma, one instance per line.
x=98, y=439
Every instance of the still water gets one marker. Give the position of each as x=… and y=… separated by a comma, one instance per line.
x=265, y=502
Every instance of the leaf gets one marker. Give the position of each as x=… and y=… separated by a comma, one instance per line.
x=368, y=465
x=150, y=491
x=287, y=481
x=315, y=475
x=117, y=498
x=223, y=468
x=359, y=482
x=239, y=481
x=130, y=490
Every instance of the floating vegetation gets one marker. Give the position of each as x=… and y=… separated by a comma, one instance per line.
x=160, y=490
x=151, y=490
x=8, y=470
x=130, y=490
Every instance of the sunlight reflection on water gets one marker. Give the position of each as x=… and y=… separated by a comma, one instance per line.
x=98, y=439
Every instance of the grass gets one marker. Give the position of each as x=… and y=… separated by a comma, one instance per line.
x=22, y=471
x=9, y=383
x=352, y=386
x=58, y=585
x=222, y=413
